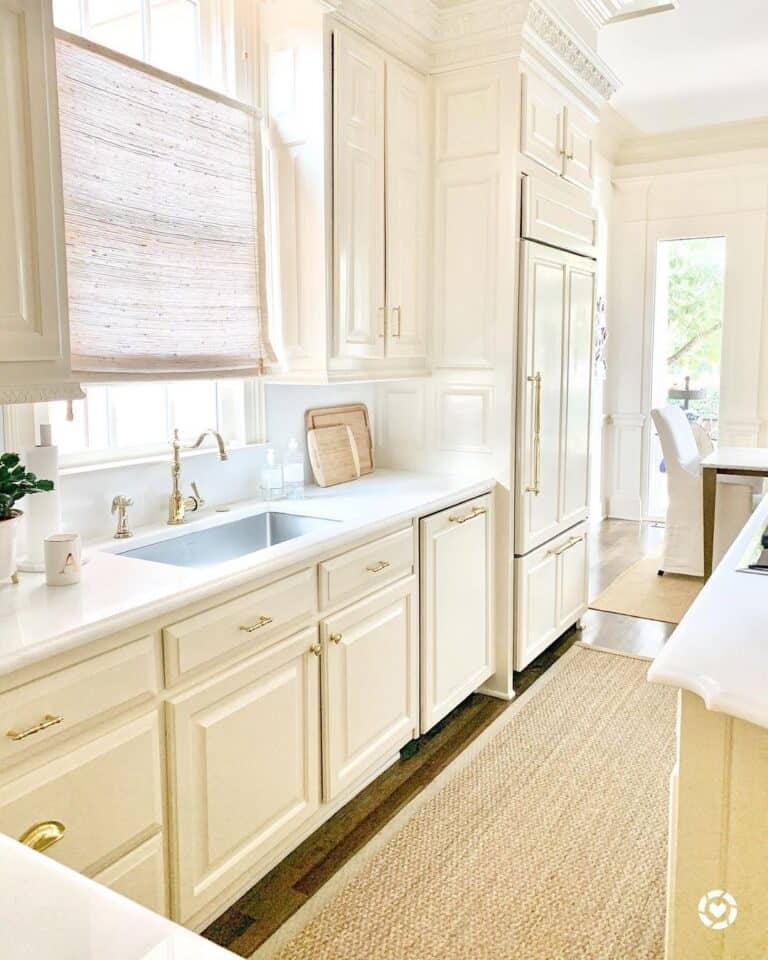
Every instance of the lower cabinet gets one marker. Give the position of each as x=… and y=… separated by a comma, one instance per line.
x=245, y=767
x=456, y=606
x=140, y=875
x=370, y=683
x=551, y=585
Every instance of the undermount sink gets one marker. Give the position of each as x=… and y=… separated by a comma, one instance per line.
x=204, y=548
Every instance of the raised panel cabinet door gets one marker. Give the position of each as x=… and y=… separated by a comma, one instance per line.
x=536, y=608
x=573, y=575
x=541, y=127
x=540, y=395
x=578, y=162
x=580, y=299
x=456, y=606
x=407, y=211
x=370, y=684
x=34, y=343
x=358, y=191
x=245, y=767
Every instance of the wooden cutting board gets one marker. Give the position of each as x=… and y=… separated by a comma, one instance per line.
x=333, y=455
x=353, y=415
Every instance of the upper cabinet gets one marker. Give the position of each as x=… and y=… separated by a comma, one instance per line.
x=555, y=133
x=349, y=200
x=34, y=341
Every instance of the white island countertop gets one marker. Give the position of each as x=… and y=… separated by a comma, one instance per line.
x=49, y=912
x=720, y=648
x=116, y=592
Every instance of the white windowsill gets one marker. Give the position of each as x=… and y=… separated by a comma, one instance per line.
x=75, y=469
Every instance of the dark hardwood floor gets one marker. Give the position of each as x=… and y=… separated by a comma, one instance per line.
x=615, y=545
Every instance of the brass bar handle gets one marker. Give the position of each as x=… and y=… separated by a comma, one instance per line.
x=316, y=649
x=396, y=325
x=535, y=486
x=335, y=638
x=261, y=622
x=41, y=836
x=378, y=567
x=49, y=720
x=474, y=512
x=571, y=543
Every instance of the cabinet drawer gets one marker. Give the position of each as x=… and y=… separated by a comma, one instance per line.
x=48, y=708
x=140, y=875
x=106, y=794
x=249, y=622
x=558, y=214
x=364, y=569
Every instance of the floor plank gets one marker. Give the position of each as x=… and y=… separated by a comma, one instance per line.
x=615, y=545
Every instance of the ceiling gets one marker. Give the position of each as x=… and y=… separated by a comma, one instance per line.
x=703, y=63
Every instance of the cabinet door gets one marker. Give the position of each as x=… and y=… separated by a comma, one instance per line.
x=358, y=191
x=456, y=606
x=370, y=684
x=140, y=875
x=578, y=160
x=245, y=767
x=573, y=580
x=540, y=395
x=541, y=127
x=580, y=297
x=407, y=211
x=34, y=345
x=536, y=609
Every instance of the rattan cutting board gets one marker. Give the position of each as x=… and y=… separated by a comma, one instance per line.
x=333, y=455
x=353, y=415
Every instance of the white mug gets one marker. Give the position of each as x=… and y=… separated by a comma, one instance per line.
x=63, y=559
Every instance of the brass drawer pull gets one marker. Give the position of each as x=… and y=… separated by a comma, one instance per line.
x=316, y=649
x=378, y=567
x=261, y=622
x=474, y=512
x=571, y=543
x=49, y=720
x=40, y=836
x=335, y=638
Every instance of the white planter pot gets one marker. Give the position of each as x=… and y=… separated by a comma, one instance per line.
x=8, y=531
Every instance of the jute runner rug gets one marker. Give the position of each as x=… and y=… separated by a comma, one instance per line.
x=545, y=840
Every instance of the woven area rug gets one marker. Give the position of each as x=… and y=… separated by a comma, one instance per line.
x=641, y=592
x=545, y=840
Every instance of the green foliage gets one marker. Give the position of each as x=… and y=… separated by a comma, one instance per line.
x=16, y=482
x=695, y=308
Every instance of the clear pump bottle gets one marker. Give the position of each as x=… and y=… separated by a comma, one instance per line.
x=293, y=471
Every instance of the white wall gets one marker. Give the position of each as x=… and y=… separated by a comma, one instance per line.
x=650, y=205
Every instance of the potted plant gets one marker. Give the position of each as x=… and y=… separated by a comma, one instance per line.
x=15, y=483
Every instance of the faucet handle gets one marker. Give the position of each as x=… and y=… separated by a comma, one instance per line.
x=120, y=502
x=120, y=505
x=198, y=496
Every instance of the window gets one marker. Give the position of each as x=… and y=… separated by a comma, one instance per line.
x=117, y=422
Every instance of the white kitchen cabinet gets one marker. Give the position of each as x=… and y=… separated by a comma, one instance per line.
x=456, y=606
x=407, y=205
x=34, y=339
x=555, y=133
x=555, y=376
x=370, y=684
x=140, y=875
x=550, y=593
x=245, y=767
x=358, y=177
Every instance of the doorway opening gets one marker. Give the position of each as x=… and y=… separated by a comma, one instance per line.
x=687, y=346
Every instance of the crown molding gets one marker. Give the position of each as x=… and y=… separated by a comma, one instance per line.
x=601, y=12
x=551, y=37
x=41, y=392
x=404, y=28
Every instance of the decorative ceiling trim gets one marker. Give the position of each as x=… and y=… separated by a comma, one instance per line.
x=601, y=12
x=543, y=27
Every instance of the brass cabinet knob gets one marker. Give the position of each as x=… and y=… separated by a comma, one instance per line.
x=335, y=638
x=41, y=836
x=316, y=649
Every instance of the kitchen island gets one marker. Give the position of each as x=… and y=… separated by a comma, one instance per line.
x=717, y=893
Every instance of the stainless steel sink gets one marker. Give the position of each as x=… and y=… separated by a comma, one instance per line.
x=204, y=548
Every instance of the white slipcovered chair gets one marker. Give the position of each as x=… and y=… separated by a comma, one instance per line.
x=684, y=540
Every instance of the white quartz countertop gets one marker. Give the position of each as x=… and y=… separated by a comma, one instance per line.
x=38, y=621
x=48, y=911
x=720, y=648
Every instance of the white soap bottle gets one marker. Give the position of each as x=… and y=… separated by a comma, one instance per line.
x=271, y=477
x=293, y=471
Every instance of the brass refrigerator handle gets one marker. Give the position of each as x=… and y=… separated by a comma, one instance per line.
x=535, y=486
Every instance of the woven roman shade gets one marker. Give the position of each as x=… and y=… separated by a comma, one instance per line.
x=163, y=211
